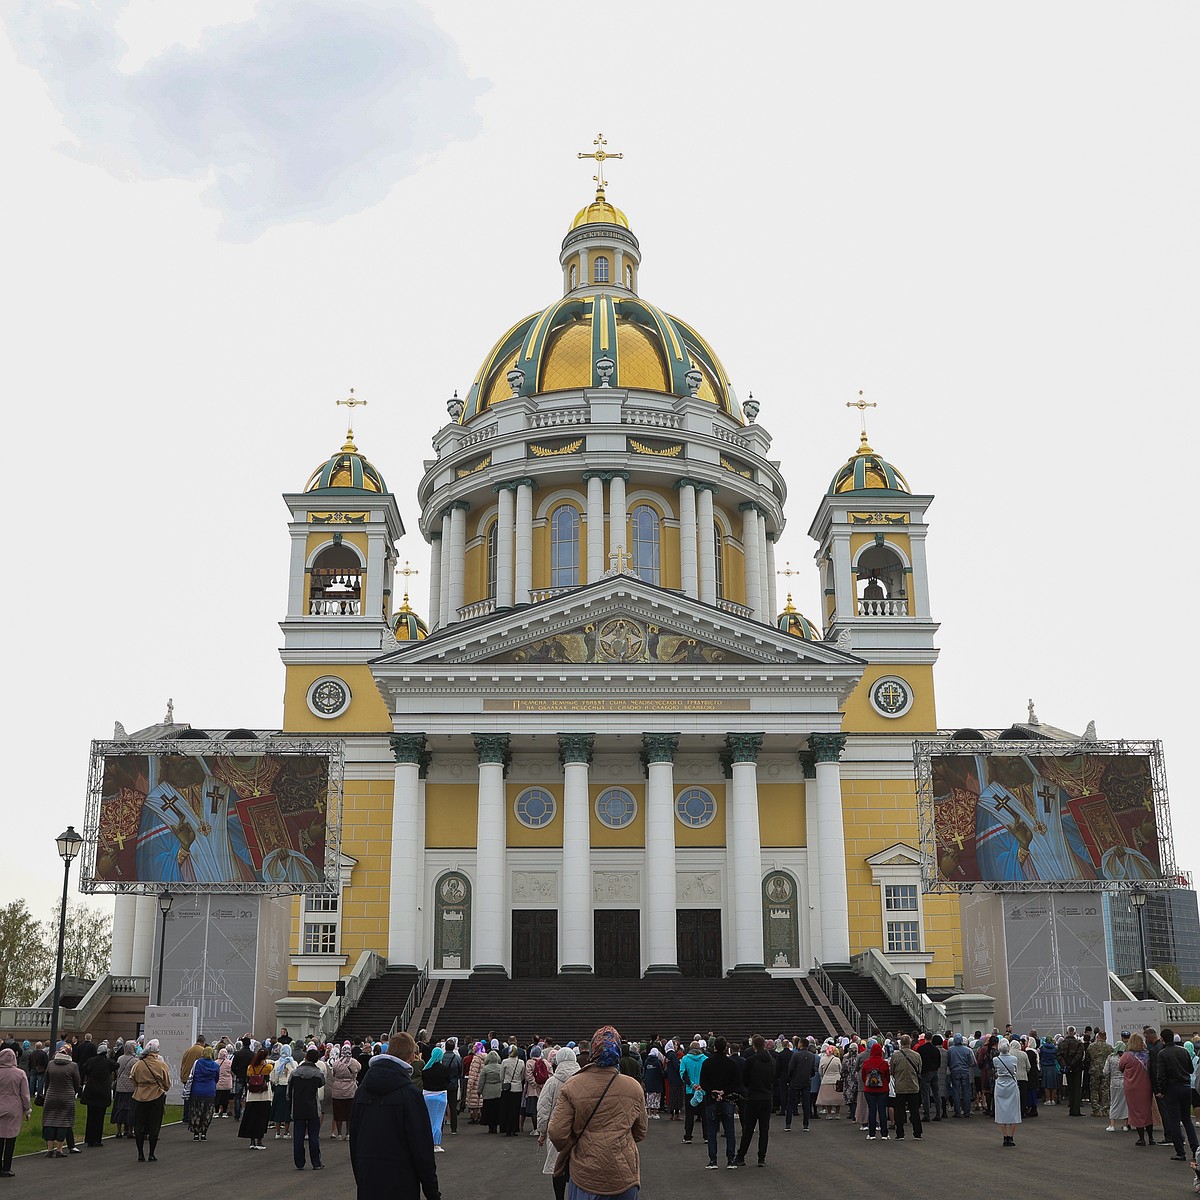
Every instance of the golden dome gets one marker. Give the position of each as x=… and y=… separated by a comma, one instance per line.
x=347, y=469
x=408, y=627
x=866, y=471
x=797, y=624
x=600, y=212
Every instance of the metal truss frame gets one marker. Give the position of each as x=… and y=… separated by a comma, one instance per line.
x=334, y=751
x=924, y=752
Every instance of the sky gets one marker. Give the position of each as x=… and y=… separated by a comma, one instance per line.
x=221, y=217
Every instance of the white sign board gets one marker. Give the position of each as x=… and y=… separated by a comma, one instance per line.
x=1133, y=1015
x=175, y=1028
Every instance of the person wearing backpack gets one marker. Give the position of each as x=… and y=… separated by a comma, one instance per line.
x=537, y=1075
x=876, y=1076
x=454, y=1067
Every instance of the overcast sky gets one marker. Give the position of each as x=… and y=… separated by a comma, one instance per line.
x=220, y=217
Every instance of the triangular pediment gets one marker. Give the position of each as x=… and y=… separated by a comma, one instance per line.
x=620, y=622
x=897, y=855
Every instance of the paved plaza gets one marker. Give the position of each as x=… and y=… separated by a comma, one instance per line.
x=1057, y=1158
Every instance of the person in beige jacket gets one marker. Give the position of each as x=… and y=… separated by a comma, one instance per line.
x=151, y=1078
x=598, y=1119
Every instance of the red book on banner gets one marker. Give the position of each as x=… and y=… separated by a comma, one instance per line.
x=266, y=830
x=1097, y=825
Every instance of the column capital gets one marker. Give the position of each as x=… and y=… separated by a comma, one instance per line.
x=576, y=747
x=589, y=475
x=743, y=747
x=680, y=484
x=772, y=536
x=423, y=764
x=609, y=476
x=659, y=747
x=461, y=505
x=525, y=481
x=808, y=763
x=748, y=505
x=435, y=535
x=827, y=747
x=493, y=748
x=504, y=487
x=408, y=747
x=701, y=486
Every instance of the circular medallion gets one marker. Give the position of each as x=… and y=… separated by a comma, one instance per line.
x=778, y=888
x=615, y=807
x=695, y=807
x=891, y=696
x=329, y=697
x=454, y=889
x=621, y=640
x=535, y=807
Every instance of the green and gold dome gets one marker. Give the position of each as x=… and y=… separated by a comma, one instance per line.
x=865, y=472
x=408, y=627
x=347, y=469
x=797, y=624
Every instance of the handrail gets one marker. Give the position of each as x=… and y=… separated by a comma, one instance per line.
x=333, y=1012
x=851, y=1010
x=410, y=1005
x=901, y=990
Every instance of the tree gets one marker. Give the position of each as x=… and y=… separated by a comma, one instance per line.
x=25, y=957
x=88, y=945
x=1170, y=972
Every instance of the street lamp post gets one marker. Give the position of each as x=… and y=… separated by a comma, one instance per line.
x=165, y=900
x=1138, y=899
x=68, y=844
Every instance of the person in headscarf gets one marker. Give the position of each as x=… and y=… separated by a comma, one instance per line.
x=151, y=1082
x=435, y=1084
x=96, y=1095
x=1118, y=1108
x=281, y=1075
x=654, y=1081
x=598, y=1118
x=512, y=1089
x=122, y=1110
x=474, y=1096
x=256, y=1110
x=490, y=1082
x=537, y=1073
x=565, y=1067
x=16, y=1106
x=206, y=1073
x=224, y=1083
x=344, y=1070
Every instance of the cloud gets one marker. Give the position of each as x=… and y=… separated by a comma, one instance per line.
x=310, y=110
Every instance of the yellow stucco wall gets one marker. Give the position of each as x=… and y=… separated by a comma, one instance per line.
x=367, y=712
x=781, y=814
x=634, y=834
x=712, y=834
x=451, y=815
x=921, y=718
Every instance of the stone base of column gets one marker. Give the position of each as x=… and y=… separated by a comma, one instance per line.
x=663, y=969
x=576, y=969
x=749, y=969
x=488, y=969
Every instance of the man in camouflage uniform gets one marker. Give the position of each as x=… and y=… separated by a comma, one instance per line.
x=1097, y=1053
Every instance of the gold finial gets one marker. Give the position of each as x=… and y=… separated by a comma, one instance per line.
x=352, y=403
x=600, y=155
x=789, y=607
x=407, y=571
x=862, y=406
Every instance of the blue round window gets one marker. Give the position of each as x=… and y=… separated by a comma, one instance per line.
x=695, y=807
x=535, y=807
x=615, y=807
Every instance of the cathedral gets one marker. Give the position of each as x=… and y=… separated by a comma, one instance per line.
x=612, y=745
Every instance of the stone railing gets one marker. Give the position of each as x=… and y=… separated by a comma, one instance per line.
x=882, y=608
x=900, y=989
x=559, y=416
x=1182, y=1016
x=735, y=609
x=481, y=608
x=537, y=595
x=484, y=434
x=333, y=1011
x=84, y=1014
x=21, y=1019
x=734, y=439
x=650, y=417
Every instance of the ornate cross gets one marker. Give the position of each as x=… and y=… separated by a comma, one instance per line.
x=862, y=406
x=171, y=805
x=618, y=560
x=1046, y=793
x=407, y=571
x=601, y=156
x=215, y=796
x=788, y=570
x=352, y=403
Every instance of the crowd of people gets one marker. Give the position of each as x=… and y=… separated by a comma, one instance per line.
x=415, y=1091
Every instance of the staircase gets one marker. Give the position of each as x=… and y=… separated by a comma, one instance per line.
x=872, y=1003
x=572, y=1007
x=381, y=1003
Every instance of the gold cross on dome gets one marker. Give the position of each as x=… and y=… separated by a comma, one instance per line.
x=862, y=406
x=352, y=403
x=788, y=570
x=601, y=156
x=407, y=571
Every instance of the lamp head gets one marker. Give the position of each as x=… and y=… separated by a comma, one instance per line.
x=68, y=844
x=165, y=900
x=1137, y=897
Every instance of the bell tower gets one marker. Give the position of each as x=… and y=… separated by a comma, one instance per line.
x=343, y=528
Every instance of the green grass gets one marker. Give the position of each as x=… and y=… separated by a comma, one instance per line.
x=30, y=1139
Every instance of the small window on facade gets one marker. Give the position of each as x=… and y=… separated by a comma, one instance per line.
x=644, y=521
x=320, y=938
x=719, y=560
x=574, y=276
x=600, y=270
x=903, y=937
x=900, y=897
x=629, y=277
x=564, y=547
x=492, y=539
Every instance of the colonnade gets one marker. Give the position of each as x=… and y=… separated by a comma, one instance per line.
x=134, y=921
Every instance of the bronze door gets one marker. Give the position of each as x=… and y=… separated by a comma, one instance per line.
x=534, y=943
x=618, y=943
x=698, y=942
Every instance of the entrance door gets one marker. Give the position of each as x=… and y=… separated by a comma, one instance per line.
x=618, y=943
x=534, y=943
x=698, y=942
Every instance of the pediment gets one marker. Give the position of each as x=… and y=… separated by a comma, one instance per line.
x=621, y=623
x=897, y=855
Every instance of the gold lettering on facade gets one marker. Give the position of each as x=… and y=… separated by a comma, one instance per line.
x=617, y=705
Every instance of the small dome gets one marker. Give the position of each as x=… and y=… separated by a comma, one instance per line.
x=797, y=624
x=966, y=735
x=408, y=627
x=866, y=471
x=347, y=469
x=600, y=212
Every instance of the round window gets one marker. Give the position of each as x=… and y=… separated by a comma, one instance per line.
x=615, y=807
x=695, y=807
x=328, y=696
x=891, y=696
x=535, y=807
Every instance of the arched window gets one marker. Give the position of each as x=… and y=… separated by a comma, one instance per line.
x=335, y=583
x=629, y=277
x=492, y=539
x=600, y=270
x=574, y=276
x=719, y=560
x=644, y=521
x=564, y=547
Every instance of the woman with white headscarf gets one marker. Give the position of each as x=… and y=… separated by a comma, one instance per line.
x=281, y=1109
x=151, y=1082
x=1007, y=1094
x=565, y=1065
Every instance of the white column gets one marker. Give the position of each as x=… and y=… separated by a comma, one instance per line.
x=619, y=266
x=444, y=569
x=772, y=581
x=373, y=592
x=124, y=916
x=407, y=841
x=831, y=848
x=689, y=564
x=662, y=956
x=618, y=517
x=744, y=852
x=753, y=574
x=504, y=546
x=297, y=576
x=458, y=555
x=812, y=907
x=918, y=581
x=764, y=578
x=595, y=525
x=705, y=534
x=577, y=931
x=524, y=541
x=844, y=593
x=489, y=902
x=435, y=580
x=424, y=950
x=584, y=277
x=146, y=913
